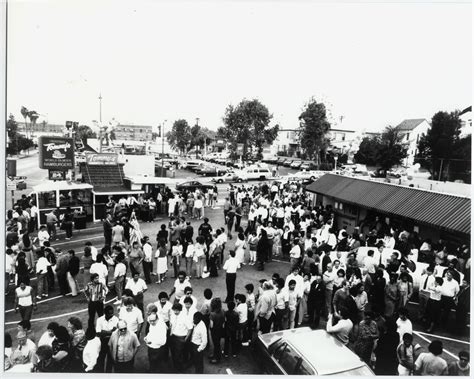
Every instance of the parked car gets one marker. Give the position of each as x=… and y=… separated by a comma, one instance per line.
x=308, y=166
x=231, y=177
x=304, y=351
x=257, y=172
x=296, y=164
x=287, y=162
x=191, y=164
x=211, y=171
x=191, y=186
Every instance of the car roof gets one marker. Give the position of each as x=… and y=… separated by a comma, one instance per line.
x=326, y=354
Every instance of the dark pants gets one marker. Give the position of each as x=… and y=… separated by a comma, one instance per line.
x=62, y=281
x=230, y=284
x=266, y=325
x=50, y=276
x=25, y=312
x=147, y=269
x=230, y=342
x=461, y=318
x=279, y=317
x=156, y=358
x=93, y=308
x=314, y=313
x=68, y=229
x=198, y=358
x=104, y=361
x=177, y=345
x=108, y=238
x=124, y=367
x=51, y=227
x=447, y=303
x=216, y=336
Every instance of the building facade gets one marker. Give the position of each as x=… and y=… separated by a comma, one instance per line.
x=411, y=131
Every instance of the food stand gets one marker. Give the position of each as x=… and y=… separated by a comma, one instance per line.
x=61, y=195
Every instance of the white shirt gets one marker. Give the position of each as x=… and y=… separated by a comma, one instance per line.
x=231, y=265
x=299, y=283
x=103, y=325
x=179, y=288
x=42, y=265
x=43, y=236
x=164, y=312
x=156, y=336
x=101, y=269
x=33, y=211
x=295, y=252
x=120, y=270
x=449, y=288
x=198, y=203
x=242, y=310
x=199, y=336
x=404, y=327
x=179, y=324
x=148, y=251
x=91, y=353
x=94, y=253
x=46, y=339
x=282, y=297
x=135, y=287
x=24, y=296
x=369, y=263
x=133, y=318
x=9, y=264
x=328, y=279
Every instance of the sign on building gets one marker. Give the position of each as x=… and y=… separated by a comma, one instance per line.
x=102, y=159
x=56, y=153
x=56, y=175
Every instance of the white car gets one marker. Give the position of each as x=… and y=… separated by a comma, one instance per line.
x=231, y=177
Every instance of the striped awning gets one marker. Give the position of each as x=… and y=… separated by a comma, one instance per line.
x=444, y=211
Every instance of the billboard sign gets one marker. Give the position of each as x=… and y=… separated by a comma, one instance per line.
x=56, y=153
x=102, y=159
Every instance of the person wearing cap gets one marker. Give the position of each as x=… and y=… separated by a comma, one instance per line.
x=155, y=341
x=123, y=346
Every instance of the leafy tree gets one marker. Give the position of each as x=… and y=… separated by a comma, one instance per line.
x=314, y=130
x=84, y=132
x=247, y=123
x=440, y=144
x=390, y=151
x=180, y=136
x=367, y=151
x=17, y=142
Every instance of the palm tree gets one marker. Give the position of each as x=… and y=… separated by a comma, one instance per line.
x=24, y=112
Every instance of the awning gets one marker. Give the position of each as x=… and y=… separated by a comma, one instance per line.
x=115, y=191
x=444, y=211
x=62, y=185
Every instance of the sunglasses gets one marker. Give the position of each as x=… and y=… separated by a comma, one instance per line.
x=123, y=329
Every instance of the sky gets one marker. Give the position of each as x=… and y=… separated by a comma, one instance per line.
x=375, y=64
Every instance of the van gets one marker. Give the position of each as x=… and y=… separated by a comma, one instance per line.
x=254, y=172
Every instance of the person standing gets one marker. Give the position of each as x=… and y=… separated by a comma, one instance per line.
x=230, y=267
x=340, y=325
x=216, y=326
x=95, y=292
x=231, y=325
x=155, y=341
x=463, y=305
x=24, y=301
x=148, y=259
x=62, y=266
x=427, y=281
x=179, y=332
x=67, y=223
x=91, y=352
x=266, y=308
x=51, y=221
x=132, y=316
x=108, y=225
x=386, y=350
x=41, y=276
x=120, y=272
x=72, y=271
x=198, y=342
x=431, y=363
x=104, y=328
x=123, y=346
x=461, y=367
x=138, y=288
x=449, y=291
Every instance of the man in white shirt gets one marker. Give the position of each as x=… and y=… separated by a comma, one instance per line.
x=164, y=308
x=295, y=254
x=179, y=285
x=43, y=235
x=155, y=341
x=138, y=287
x=180, y=330
x=370, y=263
x=147, y=261
x=198, y=342
x=41, y=275
x=427, y=281
x=231, y=266
x=104, y=327
x=449, y=290
x=91, y=351
x=329, y=277
x=295, y=275
x=132, y=315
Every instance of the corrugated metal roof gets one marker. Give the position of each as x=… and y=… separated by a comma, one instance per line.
x=444, y=211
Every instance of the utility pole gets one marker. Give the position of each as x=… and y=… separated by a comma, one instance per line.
x=440, y=169
x=163, y=148
x=100, y=107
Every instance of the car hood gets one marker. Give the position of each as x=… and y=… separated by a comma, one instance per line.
x=269, y=338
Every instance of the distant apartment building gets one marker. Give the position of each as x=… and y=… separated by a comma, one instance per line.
x=133, y=132
x=411, y=131
x=287, y=142
x=466, y=121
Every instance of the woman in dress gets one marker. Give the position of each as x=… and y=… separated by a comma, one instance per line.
x=240, y=248
x=367, y=333
x=392, y=296
x=135, y=233
x=161, y=261
x=135, y=257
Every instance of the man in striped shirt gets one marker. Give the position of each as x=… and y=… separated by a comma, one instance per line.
x=95, y=292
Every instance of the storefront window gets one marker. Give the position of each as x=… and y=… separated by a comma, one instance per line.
x=74, y=198
x=47, y=200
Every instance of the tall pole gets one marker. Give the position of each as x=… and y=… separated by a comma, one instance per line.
x=163, y=148
x=100, y=107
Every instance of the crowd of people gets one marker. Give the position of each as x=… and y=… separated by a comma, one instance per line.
x=362, y=302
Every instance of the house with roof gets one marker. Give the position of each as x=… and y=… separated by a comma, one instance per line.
x=411, y=131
